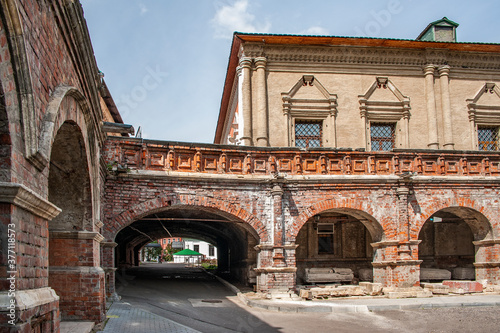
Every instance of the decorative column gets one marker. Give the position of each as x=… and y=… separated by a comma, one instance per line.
x=261, y=91
x=444, y=72
x=276, y=271
x=246, y=100
x=396, y=261
x=431, y=107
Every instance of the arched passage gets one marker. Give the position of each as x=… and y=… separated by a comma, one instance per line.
x=69, y=182
x=356, y=208
x=74, y=271
x=234, y=238
x=448, y=243
x=337, y=238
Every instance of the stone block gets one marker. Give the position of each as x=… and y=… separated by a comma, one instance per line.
x=464, y=287
x=400, y=294
x=304, y=293
x=432, y=274
x=372, y=289
x=436, y=288
x=393, y=292
x=343, y=291
x=492, y=288
x=319, y=292
x=464, y=273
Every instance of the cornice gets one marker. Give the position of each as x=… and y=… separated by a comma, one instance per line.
x=21, y=196
x=89, y=235
x=373, y=56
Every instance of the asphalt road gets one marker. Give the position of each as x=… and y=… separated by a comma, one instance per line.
x=197, y=300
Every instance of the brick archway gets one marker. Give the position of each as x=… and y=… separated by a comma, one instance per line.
x=357, y=208
x=158, y=204
x=66, y=104
x=487, y=224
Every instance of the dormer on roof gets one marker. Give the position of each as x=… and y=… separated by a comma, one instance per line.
x=443, y=30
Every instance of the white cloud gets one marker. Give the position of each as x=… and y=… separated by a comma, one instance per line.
x=236, y=17
x=315, y=31
x=143, y=9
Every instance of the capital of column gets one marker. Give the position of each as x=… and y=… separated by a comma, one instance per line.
x=277, y=190
x=402, y=191
x=444, y=70
x=260, y=62
x=429, y=69
x=245, y=62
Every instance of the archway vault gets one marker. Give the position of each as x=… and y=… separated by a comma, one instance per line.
x=479, y=218
x=234, y=238
x=355, y=208
x=225, y=210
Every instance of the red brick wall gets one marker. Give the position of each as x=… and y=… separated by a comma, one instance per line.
x=393, y=210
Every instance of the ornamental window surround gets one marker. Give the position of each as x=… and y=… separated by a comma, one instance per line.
x=310, y=110
x=394, y=110
x=484, y=117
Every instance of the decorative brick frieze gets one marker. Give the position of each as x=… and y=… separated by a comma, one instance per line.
x=135, y=154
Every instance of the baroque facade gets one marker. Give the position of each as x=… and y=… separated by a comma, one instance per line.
x=378, y=99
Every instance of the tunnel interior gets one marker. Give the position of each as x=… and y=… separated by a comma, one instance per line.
x=234, y=239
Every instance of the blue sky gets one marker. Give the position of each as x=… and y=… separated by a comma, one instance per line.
x=165, y=60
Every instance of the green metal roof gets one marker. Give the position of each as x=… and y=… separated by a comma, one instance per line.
x=187, y=252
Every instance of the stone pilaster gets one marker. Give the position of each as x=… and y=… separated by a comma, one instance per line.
x=261, y=92
x=488, y=261
x=75, y=256
x=107, y=264
x=246, y=99
x=444, y=72
x=431, y=107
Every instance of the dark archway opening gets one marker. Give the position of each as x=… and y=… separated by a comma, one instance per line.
x=336, y=241
x=69, y=189
x=233, y=239
x=446, y=249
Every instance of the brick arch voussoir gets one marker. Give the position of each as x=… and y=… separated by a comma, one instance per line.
x=329, y=204
x=158, y=204
x=429, y=210
x=59, y=111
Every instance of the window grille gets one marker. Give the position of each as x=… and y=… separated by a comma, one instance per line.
x=382, y=136
x=487, y=138
x=308, y=133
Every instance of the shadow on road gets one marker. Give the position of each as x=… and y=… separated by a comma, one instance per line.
x=187, y=295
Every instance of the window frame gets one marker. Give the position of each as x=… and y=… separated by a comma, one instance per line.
x=308, y=120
